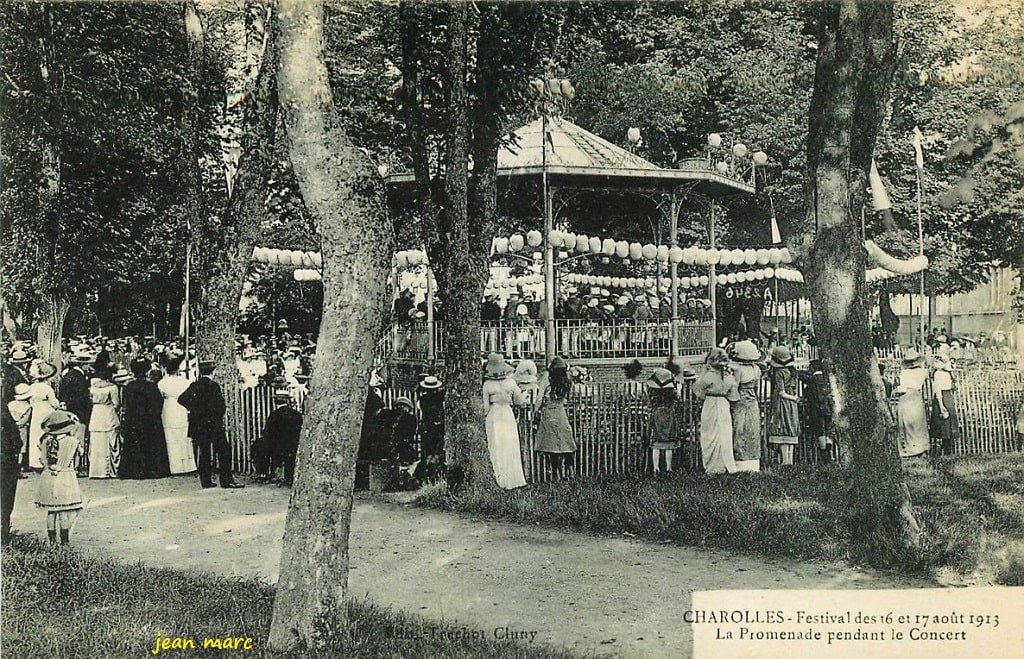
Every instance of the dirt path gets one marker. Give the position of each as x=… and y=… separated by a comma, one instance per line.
x=608, y=595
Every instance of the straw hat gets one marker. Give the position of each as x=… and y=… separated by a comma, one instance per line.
x=912, y=358
x=59, y=422
x=689, y=374
x=430, y=382
x=746, y=352
x=42, y=371
x=781, y=357
x=497, y=368
x=526, y=372
x=19, y=357
x=661, y=378
x=121, y=377
x=22, y=391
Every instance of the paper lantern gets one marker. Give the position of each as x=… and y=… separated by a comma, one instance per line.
x=566, y=89
x=663, y=253
x=402, y=259
x=722, y=280
x=582, y=244
x=758, y=275
x=633, y=135
x=741, y=277
x=632, y=282
x=749, y=256
x=621, y=249
x=714, y=257
x=689, y=254
x=257, y=254
x=606, y=281
x=516, y=242
x=775, y=256
x=636, y=251
x=700, y=256
x=318, y=259
x=534, y=238
x=725, y=258
x=714, y=140
x=769, y=273
x=697, y=281
x=608, y=247
x=731, y=278
x=760, y=158
x=650, y=282
x=501, y=245
x=787, y=257
x=666, y=282
x=705, y=280
x=562, y=254
x=555, y=238
x=722, y=168
x=762, y=257
x=739, y=150
x=569, y=241
x=737, y=256
x=675, y=254
x=684, y=282
x=649, y=252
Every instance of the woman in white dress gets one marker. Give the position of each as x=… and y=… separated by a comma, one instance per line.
x=104, y=425
x=910, y=412
x=43, y=401
x=500, y=393
x=175, y=419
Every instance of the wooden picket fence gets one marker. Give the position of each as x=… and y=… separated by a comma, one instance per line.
x=609, y=422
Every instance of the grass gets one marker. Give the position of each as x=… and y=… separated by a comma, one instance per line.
x=60, y=603
x=971, y=509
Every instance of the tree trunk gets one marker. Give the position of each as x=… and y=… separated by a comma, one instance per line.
x=52, y=314
x=461, y=269
x=227, y=261
x=345, y=195
x=855, y=55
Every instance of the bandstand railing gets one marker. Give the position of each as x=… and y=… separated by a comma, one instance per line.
x=578, y=339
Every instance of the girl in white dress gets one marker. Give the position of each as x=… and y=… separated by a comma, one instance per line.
x=44, y=402
x=500, y=392
x=175, y=419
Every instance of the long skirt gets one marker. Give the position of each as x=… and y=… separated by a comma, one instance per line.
x=784, y=422
x=58, y=490
x=180, y=457
x=554, y=434
x=912, y=423
x=945, y=430
x=716, y=436
x=746, y=435
x=104, y=453
x=503, y=446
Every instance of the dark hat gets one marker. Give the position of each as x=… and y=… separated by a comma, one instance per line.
x=557, y=363
x=207, y=365
x=140, y=366
x=781, y=357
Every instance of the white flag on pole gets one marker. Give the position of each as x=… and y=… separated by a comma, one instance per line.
x=879, y=197
x=776, y=235
x=917, y=147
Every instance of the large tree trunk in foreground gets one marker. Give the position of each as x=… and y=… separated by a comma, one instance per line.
x=855, y=60
x=461, y=262
x=345, y=195
x=53, y=311
x=228, y=255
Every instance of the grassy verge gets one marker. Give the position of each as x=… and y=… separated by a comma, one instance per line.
x=972, y=509
x=60, y=603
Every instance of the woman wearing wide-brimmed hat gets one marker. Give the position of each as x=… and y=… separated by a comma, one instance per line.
x=500, y=392
x=662, y=421
x=44, y=402
x=910, y=413
x=58, y=493
x=944, y=425
x=716, y=388
x=746, y=412
x=784, y=408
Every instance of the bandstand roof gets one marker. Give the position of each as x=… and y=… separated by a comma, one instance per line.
x=578, y=158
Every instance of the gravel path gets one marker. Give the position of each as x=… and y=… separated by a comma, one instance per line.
x=609, y=595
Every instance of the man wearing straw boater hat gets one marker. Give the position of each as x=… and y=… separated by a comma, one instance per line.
x=205, y=404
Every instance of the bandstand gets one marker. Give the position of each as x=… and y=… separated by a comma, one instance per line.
x=572, y=162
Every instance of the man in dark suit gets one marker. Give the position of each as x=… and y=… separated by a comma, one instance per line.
x=281, y=436
x=74, y=388
x=10, y=439
x=205, y=404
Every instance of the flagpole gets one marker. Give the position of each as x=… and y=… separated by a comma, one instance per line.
x=920, y=243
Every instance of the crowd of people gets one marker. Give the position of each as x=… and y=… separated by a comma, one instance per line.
x=136, y=409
